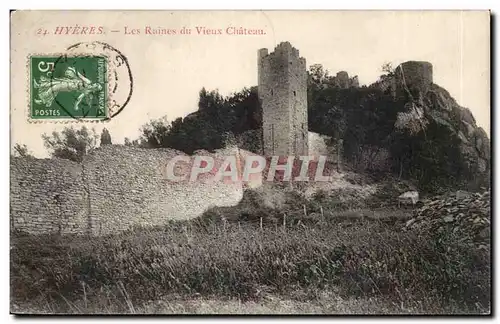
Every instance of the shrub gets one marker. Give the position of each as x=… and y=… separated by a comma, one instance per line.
x=190, y=258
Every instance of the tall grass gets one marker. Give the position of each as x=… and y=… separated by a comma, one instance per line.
x=246, y=261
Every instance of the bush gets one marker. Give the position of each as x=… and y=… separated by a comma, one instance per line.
x=321, y=243
x=241, y=260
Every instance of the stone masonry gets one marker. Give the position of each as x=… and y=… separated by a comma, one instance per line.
x=115, y=188
x=48, y=196
x=416, y=76
x=467, y=215
x=343, y=81
x=282, y=88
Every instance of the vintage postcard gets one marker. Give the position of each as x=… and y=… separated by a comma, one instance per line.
x=250, y=162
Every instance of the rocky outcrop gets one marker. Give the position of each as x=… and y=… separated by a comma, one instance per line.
x=465, y=215
x=473, y=142
x=414, y=76
x=430, y=106
x=343, y=81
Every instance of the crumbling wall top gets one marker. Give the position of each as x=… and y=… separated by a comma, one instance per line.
x=416, y=76
x=281, y=49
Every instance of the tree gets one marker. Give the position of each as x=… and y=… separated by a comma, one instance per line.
x=105, y=137
x=71, y=144
x=210, y=101
x=387, y=68
x=228, y=139
x=217, y=118
x=21, y=150
x=318, y=74
x=135, y=143
x=155, y=133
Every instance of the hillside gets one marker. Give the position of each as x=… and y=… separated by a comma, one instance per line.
x=403, y=124
x=344, y=247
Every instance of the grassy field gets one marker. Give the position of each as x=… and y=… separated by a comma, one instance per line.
x=335, y=262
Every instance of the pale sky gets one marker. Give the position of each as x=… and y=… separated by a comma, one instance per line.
x=169, y=70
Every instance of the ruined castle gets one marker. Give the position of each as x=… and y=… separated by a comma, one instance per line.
x=282, y=88
x=415, y=75
x=117, y=187
x=114, y=188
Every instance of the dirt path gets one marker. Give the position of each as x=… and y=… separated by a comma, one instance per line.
x=326, y=303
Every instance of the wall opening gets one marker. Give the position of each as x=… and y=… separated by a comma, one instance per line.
x=272, y=136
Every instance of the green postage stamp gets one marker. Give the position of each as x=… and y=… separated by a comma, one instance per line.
x=64, y=87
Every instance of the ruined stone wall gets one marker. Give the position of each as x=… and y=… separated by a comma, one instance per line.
x=343, y=81
x=114, y=189
x=47, y=196
x=282, y=91
x=298, y=95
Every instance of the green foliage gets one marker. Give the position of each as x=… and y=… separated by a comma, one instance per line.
x=128, y=142
x=317, y=75
x=241, y=260
x=210, y=126
x=72, y=144
x=363, y=118
x=432, y=158
x=210, y=100
x=251, y=141
x=21, y=150
x=230, y=253
x=105, y=137
x=155, y=133
x=388, y=69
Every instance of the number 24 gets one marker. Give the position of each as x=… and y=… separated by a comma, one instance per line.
x=41, y=31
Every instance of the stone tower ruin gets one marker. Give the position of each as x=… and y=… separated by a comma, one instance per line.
x=416, y=76
x=282, y=92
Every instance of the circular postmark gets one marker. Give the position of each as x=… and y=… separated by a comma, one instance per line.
x=91, y=80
